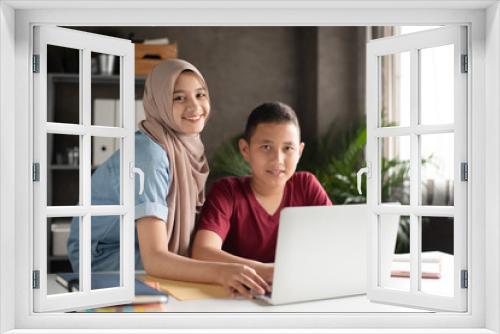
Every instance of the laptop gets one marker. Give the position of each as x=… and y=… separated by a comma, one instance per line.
x=322, y=253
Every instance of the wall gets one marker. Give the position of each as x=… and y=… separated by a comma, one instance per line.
x=341, y=76
x=492, y=163
x=7, y=168
x=318, y=71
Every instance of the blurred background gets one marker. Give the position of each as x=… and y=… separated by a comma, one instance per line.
x=319, y=71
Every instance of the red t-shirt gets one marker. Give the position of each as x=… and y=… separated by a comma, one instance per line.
x=247, y=230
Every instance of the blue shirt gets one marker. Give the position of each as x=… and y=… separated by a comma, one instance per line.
x=105, y=187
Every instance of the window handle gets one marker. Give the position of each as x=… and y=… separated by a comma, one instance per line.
x=365, y=170
x=138, y=171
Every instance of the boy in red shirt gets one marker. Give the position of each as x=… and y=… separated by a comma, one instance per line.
x=239, y=220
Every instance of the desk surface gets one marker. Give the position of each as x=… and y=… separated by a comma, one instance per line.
x=348, y=304
x=339, y=305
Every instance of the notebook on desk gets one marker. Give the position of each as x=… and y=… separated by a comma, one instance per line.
x=144, y=294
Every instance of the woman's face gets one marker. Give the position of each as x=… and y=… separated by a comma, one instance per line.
x=191, y=105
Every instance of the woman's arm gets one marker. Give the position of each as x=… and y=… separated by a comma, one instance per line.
x=158, y=261
x=207, y=246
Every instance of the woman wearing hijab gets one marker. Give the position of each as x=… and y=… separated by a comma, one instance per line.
x=169, y=151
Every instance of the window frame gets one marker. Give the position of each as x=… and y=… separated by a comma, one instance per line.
x=414, y=131
x=86, y=129
x=15, y=35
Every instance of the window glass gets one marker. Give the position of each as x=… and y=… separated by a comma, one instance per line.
x=105, y=90
x=63, y=79
x=437, y=177
x=57, y=255
x=395, y=169
x=437, y=261
x=394, y=241
x=63, y=169
x=394, y=91
x=106, y=170
x=106, y=241
x=437, y=85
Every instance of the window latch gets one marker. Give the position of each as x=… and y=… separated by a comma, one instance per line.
x=138, y=171
x=365, y=170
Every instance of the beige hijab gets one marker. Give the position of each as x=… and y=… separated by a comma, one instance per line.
x=188, y=164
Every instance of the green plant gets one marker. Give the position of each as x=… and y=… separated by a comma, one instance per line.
x=334, y=159
x=227, y=160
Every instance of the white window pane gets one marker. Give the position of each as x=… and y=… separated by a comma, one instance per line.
x=437, y=177
x=105, y=90
x=63, y=85
x=63, y=169
x=106, y=167
x=394, y=234
x=395, y=169
x=437, y=85
x=437, y=260
x=57, y=257
x=105, y=257
x=394, y=91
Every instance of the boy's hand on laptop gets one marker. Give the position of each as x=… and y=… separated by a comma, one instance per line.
x=265, y=270
x=242, y=280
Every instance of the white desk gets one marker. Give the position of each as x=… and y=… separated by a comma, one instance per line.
x=340, y=305
x=344, y=305
x=354, y=304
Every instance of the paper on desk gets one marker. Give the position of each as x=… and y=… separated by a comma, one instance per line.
x=430, y=265
x=187, y=290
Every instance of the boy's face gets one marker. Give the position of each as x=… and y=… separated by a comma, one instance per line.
x=273, y=153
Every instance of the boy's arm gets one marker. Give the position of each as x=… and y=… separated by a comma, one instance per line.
x=207, y=246
x=159, y=261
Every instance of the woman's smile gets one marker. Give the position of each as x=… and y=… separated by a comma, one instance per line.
x=193, y=118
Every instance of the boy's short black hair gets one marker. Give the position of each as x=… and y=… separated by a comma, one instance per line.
x=270, y=112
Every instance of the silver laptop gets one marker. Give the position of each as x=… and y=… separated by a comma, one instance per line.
x=321, y=253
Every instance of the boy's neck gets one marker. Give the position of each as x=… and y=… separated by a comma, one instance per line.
x=262, y=190
x=268, y=198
